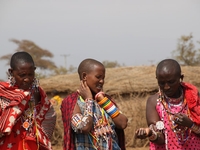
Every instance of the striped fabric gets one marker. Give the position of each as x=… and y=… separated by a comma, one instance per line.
x=48, y=124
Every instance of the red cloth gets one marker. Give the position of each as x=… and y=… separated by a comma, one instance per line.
x=15, y=136
x=193, y=101
x=67, y=108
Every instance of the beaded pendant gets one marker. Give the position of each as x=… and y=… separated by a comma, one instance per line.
x=26, y=125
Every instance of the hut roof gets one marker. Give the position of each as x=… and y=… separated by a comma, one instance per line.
x=137, y=79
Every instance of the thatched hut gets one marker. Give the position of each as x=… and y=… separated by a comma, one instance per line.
x=124, y=80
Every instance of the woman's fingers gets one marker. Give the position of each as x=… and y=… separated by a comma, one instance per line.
x=142, y=133
x=84, y=90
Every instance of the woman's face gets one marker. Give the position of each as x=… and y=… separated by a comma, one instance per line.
x=23, y=74
x=169, y=83
x=95, y=79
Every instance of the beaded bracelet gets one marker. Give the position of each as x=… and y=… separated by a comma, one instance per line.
x=154, y=135
x=103, y=101
x=109, y=107
x=195, y=128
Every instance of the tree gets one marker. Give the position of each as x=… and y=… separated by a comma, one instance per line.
x=186, y=54
x=111, y=64
x=39, y=55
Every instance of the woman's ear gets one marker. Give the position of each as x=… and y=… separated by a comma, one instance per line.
x=10, y=71
x=84, y=76
x=181, y=78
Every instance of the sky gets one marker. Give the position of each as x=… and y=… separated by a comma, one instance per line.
x=131, y=32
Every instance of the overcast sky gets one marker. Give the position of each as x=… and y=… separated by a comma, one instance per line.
x=131, y=32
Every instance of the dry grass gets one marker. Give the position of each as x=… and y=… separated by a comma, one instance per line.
x=130, y=86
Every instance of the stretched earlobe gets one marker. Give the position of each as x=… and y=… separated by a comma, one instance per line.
x=181, y=78
x=11, y=79
x=10, y=71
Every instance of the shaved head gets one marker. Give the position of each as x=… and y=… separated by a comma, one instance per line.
x=20, y=57
x=87, y=65
x=168, y=65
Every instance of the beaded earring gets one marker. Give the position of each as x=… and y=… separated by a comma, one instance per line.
x=35, y=83
x=11, y=79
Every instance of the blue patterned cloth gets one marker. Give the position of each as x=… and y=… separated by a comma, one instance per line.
x=87, y=141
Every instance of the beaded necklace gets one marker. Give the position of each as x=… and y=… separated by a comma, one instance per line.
x=174, y=101
x=182, y=133
x=29, y=120
x=102, y=128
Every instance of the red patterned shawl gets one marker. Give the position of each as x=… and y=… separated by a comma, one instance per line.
x=15, y=96
x=19, y=100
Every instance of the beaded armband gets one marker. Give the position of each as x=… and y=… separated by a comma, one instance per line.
x=195, y=128
x=109, y=107
x=89, y=107
x=78, y=120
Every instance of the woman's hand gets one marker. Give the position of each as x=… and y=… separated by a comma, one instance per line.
x=99, y=96
x=84, y=90
x=143, y=133
x=183, y=120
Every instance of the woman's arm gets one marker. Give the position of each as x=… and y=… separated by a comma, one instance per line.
x=152, y=118
x=83, y=122
x=110, y=107
x=120, y=121
x=79, y=122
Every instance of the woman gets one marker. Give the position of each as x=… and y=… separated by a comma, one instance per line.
x=172, y=114
x=27, y=119
x=91, y=119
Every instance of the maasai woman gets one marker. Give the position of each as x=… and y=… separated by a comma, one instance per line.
x=173, y=114
x=27, y=119
x=91, y=119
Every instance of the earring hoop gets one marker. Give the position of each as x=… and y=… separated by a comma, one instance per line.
x=11, y=79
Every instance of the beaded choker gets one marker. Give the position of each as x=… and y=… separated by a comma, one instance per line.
x=174, y=101
x=167, y=105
